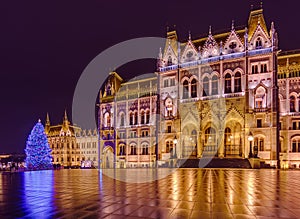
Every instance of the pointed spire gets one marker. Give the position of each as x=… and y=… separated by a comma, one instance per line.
x=232, y=25
x=221, y=47
x=160, y=53
x=261, y=4
x=65, y=116
x=39, y=121
x=190, y=36
x=272, y=31
x=246, y=38
x=209, y=31
x=66, y=122
x=47, y=119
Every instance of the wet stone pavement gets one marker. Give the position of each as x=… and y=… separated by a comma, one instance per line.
x=186, y=193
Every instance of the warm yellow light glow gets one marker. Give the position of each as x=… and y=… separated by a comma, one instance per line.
x=250, y=138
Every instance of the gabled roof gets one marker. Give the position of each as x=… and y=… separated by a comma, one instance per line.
x=256, y=16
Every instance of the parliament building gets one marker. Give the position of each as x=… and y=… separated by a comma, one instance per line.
x=227, y=95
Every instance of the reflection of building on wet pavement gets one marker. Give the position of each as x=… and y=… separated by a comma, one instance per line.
x=186, y=193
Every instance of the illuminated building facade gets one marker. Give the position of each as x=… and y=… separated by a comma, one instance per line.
x=127, y=121
x=70, y=145
x=232, y=95
x=289, y=99
x=224, y=90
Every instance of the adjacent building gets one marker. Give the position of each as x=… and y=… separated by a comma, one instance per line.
x=127, y=121
x=71, y=146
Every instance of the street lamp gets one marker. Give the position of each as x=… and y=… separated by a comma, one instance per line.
x=250, y=139
x=175, y=141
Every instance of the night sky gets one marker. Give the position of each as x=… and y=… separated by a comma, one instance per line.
x=45, y=45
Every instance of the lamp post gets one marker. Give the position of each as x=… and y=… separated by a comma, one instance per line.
x=250, y=139
x=175, y=141
x=174, y=153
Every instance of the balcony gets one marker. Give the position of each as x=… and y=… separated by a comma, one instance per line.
x=230, y=95
x=141, y=158
x=261, y=110
x=168, y=68
x=259, y=51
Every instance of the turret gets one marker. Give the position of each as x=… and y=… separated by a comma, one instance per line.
x=66, y=122
x=256, y=18
x=47, y=124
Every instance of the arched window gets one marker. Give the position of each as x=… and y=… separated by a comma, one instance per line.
x=210, y=136
x=185, y=92
x=122, y=150
x=131, y=115
x=145, y=149
x=169, y=107
x=237, y=82
x=135, y=118
x=169, y=146
x=228, y=83
x=108, y=90
x=194, y=88
x=170, y=61
x=263, y=68
x=142, y=117
x=254, y=69
x=122, y=120
x=292, y=104
x=214, y=85
x=133, y=150
x=205, y=87
x=260, y=143
x=258, y=43
x=106, y=119
x=260, y=98
x=228, y=140
x=147, y=117
x=194, y=136
x=295, y=145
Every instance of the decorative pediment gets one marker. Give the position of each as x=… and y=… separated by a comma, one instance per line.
x=190, y=118
x=260, y=39
x=210, y=47
x=189, y=52
x=234, y=113
x=170, y=57
x=233, y=43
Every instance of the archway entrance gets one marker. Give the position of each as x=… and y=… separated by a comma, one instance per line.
x=210, y=144
x=189, y=149
x=233, y=140
x=108, y=158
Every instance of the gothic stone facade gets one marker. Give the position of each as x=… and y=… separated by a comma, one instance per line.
x=220, y=89
x=71, y=146
x=127, y=121
x=223, y=95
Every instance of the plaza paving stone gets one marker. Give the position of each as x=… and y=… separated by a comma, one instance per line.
x=186, y=193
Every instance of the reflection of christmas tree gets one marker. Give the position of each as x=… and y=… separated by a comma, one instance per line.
x=38, y=152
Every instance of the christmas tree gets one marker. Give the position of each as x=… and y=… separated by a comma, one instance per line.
x=38, y=152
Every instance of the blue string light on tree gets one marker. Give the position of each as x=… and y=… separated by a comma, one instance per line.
x=38, y=152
